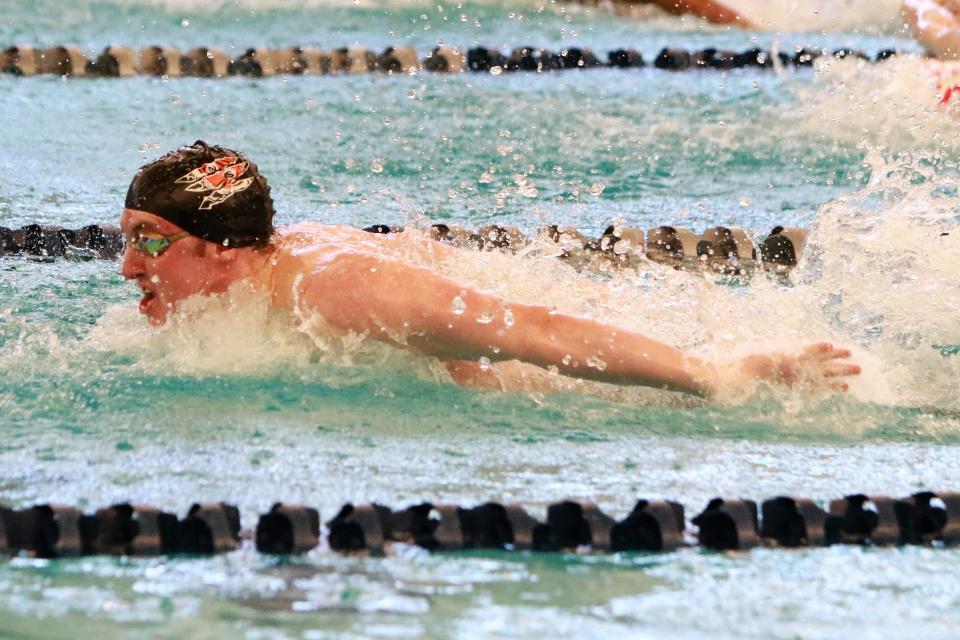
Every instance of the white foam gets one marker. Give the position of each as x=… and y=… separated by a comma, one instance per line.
x=895, y=105
x=865, y=16
x=239, y=334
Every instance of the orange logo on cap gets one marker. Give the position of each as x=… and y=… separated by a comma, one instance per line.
x=220, y=178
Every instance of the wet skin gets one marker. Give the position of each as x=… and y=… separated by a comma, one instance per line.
x=935, y=23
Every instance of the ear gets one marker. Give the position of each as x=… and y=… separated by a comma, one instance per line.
x=226, y=255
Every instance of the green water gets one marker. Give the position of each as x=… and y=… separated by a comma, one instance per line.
x=94, y=410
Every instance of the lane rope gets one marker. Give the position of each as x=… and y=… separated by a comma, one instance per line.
x=726, y=250
x=60, y=531
x=208, y=62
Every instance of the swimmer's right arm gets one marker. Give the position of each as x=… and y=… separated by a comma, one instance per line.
x=935, y=24
x=402, y=303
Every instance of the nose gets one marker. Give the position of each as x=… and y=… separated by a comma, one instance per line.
x=132, y=264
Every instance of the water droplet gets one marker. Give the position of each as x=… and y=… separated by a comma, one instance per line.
x=485, y=178
x=508, y=318
x=155, y=279
x=176, y=98
x=184, y=23
x=528, y=191
x=495, y=71
x=597, y=362
x=485, y=364
x=744, y=201
x=411, y=94
x=566, y=360
x=459, y=306
x=376, y=166
x=597, y=189
x=485, y=318
x=143, y=148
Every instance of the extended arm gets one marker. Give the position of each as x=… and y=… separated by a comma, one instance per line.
x=401, y=303
x=710, y=10
x=935, y=25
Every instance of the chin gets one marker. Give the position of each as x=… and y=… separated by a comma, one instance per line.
x=156, y=314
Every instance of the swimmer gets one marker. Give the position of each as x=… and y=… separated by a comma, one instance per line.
x=199, y=221
x=936, y=24
x=710, y=10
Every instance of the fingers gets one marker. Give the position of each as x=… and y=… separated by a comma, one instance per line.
x=825, y=351
x=818, y=348
x=841, y=387
x=837, y=369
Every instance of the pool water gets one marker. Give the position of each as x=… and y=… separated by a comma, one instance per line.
x=226, y=404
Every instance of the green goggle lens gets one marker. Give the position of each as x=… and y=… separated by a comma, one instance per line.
x=152, y=246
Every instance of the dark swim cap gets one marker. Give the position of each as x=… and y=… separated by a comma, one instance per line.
x=214, y=193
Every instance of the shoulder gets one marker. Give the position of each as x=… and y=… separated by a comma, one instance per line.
x=306, y=255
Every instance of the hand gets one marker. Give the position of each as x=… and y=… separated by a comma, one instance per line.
x=816, y=368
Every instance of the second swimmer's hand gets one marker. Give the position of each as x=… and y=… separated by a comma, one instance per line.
x=818, y=367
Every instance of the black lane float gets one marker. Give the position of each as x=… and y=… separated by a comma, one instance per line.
x=60, y=531
x=723, y=250
x=116, y=61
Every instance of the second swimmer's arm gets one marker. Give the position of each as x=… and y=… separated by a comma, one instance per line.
x=935, y=25
x=399, y=302
x=710, y=10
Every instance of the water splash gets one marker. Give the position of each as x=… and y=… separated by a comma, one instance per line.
x=896, y=106
x=876, y=16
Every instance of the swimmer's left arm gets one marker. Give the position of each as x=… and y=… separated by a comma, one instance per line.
x=403, y=303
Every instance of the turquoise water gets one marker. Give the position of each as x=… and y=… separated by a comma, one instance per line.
x=95, y=408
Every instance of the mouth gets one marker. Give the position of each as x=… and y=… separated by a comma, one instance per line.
x=146, y=300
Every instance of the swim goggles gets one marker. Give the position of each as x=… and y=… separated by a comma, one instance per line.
x=153, y=244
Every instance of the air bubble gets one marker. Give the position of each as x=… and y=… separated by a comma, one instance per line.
x=597, y=189
x=485, y=364
x=459, y=306
x=485, y=318
x=508, y=318
x=376, y=166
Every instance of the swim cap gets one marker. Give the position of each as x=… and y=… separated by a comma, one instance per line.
x=212, y=192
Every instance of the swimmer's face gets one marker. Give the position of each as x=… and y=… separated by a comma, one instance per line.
x=186, y=267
